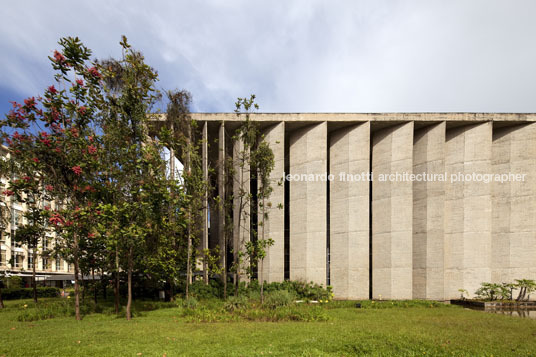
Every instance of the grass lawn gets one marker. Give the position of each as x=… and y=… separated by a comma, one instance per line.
x=393, y=331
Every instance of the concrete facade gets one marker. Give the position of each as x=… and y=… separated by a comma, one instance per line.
x=349, y=212
x=308, y=202
x=400, y=239
x=274, y=225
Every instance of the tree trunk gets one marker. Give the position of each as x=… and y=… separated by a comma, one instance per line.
x=34, y=282
x=94, y=285
x=76, y=289
x=262, y=281
x=1, y=300
x=116, y=282
x=129, y=282
x=188, y=264
x=103, y=285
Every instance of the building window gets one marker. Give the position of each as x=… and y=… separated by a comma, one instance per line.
x=19, y=259
x=58, y=264
x=3, y=258
x=16, y=218
x=45, y=244
x=30, y=260
x=45, y=263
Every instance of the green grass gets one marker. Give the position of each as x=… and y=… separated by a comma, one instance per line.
x=379, y=329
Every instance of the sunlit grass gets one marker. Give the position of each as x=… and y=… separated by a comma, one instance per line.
x=387, y=329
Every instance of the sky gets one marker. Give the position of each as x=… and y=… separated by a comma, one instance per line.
x=295, y=55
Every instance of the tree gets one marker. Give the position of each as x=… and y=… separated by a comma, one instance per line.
x=180, y=135
x=57, y=133
x=256, y=158
x=134, y=158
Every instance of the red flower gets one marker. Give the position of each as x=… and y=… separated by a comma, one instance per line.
x=56, y=219
x=8, y=193
x=92, y=149
x=52, y=90
x=26, y=178
x=91, y=235
x=59, y=57
x=93, y=71
x=80, y=82
x=36, y=160
x=77, y=170
x=98, y=212
x=46, y=142
x=82, y=110
x=69, y=223
x=58, y=150
x=30, y=102
x=49, y=188
x=47, y=208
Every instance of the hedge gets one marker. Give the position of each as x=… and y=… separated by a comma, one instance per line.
x=27, y=293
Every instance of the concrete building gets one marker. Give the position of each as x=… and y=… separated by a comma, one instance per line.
x=451, y=201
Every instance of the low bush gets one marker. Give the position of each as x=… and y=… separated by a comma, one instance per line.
x=279, y=298
x=27, y=293
x=236, y=303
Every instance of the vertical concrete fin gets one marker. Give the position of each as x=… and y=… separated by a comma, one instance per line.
x=349, y=211
x=273, y=265
x=392, y=211
x=467, y=208
x=513, y=242
x=204, y=163
x=308, y=201
x=222, y=158
x=241, y=205
x=429, y=211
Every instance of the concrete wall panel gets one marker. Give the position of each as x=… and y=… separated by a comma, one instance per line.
x=308, y=201
x=349, y=212
x=392, y=211
x=274, y=226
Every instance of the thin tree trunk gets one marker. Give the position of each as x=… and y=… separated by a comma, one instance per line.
x=76, y=285
x=94, y=285
x=1, y=300
x=224, y=272
x=116, y=283
x=129, y=282
x=262, y=281
x=34, y=282
x=188, y=264
x=103, y=285
x=260, y=272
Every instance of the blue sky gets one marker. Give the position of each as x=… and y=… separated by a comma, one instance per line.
x=296, y=56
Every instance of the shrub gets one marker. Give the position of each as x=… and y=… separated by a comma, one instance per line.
x=236, y=303
x=200, y=290
x=27, y=293
x=279, y=298
x=191, y=303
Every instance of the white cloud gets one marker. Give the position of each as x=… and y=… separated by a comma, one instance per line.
x=337, y=56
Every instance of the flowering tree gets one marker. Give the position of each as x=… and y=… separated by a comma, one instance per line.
x=57, y=132
x=135, y=168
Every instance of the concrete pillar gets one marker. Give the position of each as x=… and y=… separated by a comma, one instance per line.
x=204, y=162
x=392, y=207
x=513, y=242
x=222, y=241
x=429, y=212
x=467, y=209
x=308, y=201
x=241, y=206
x=274, y=226
x=349, y=158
